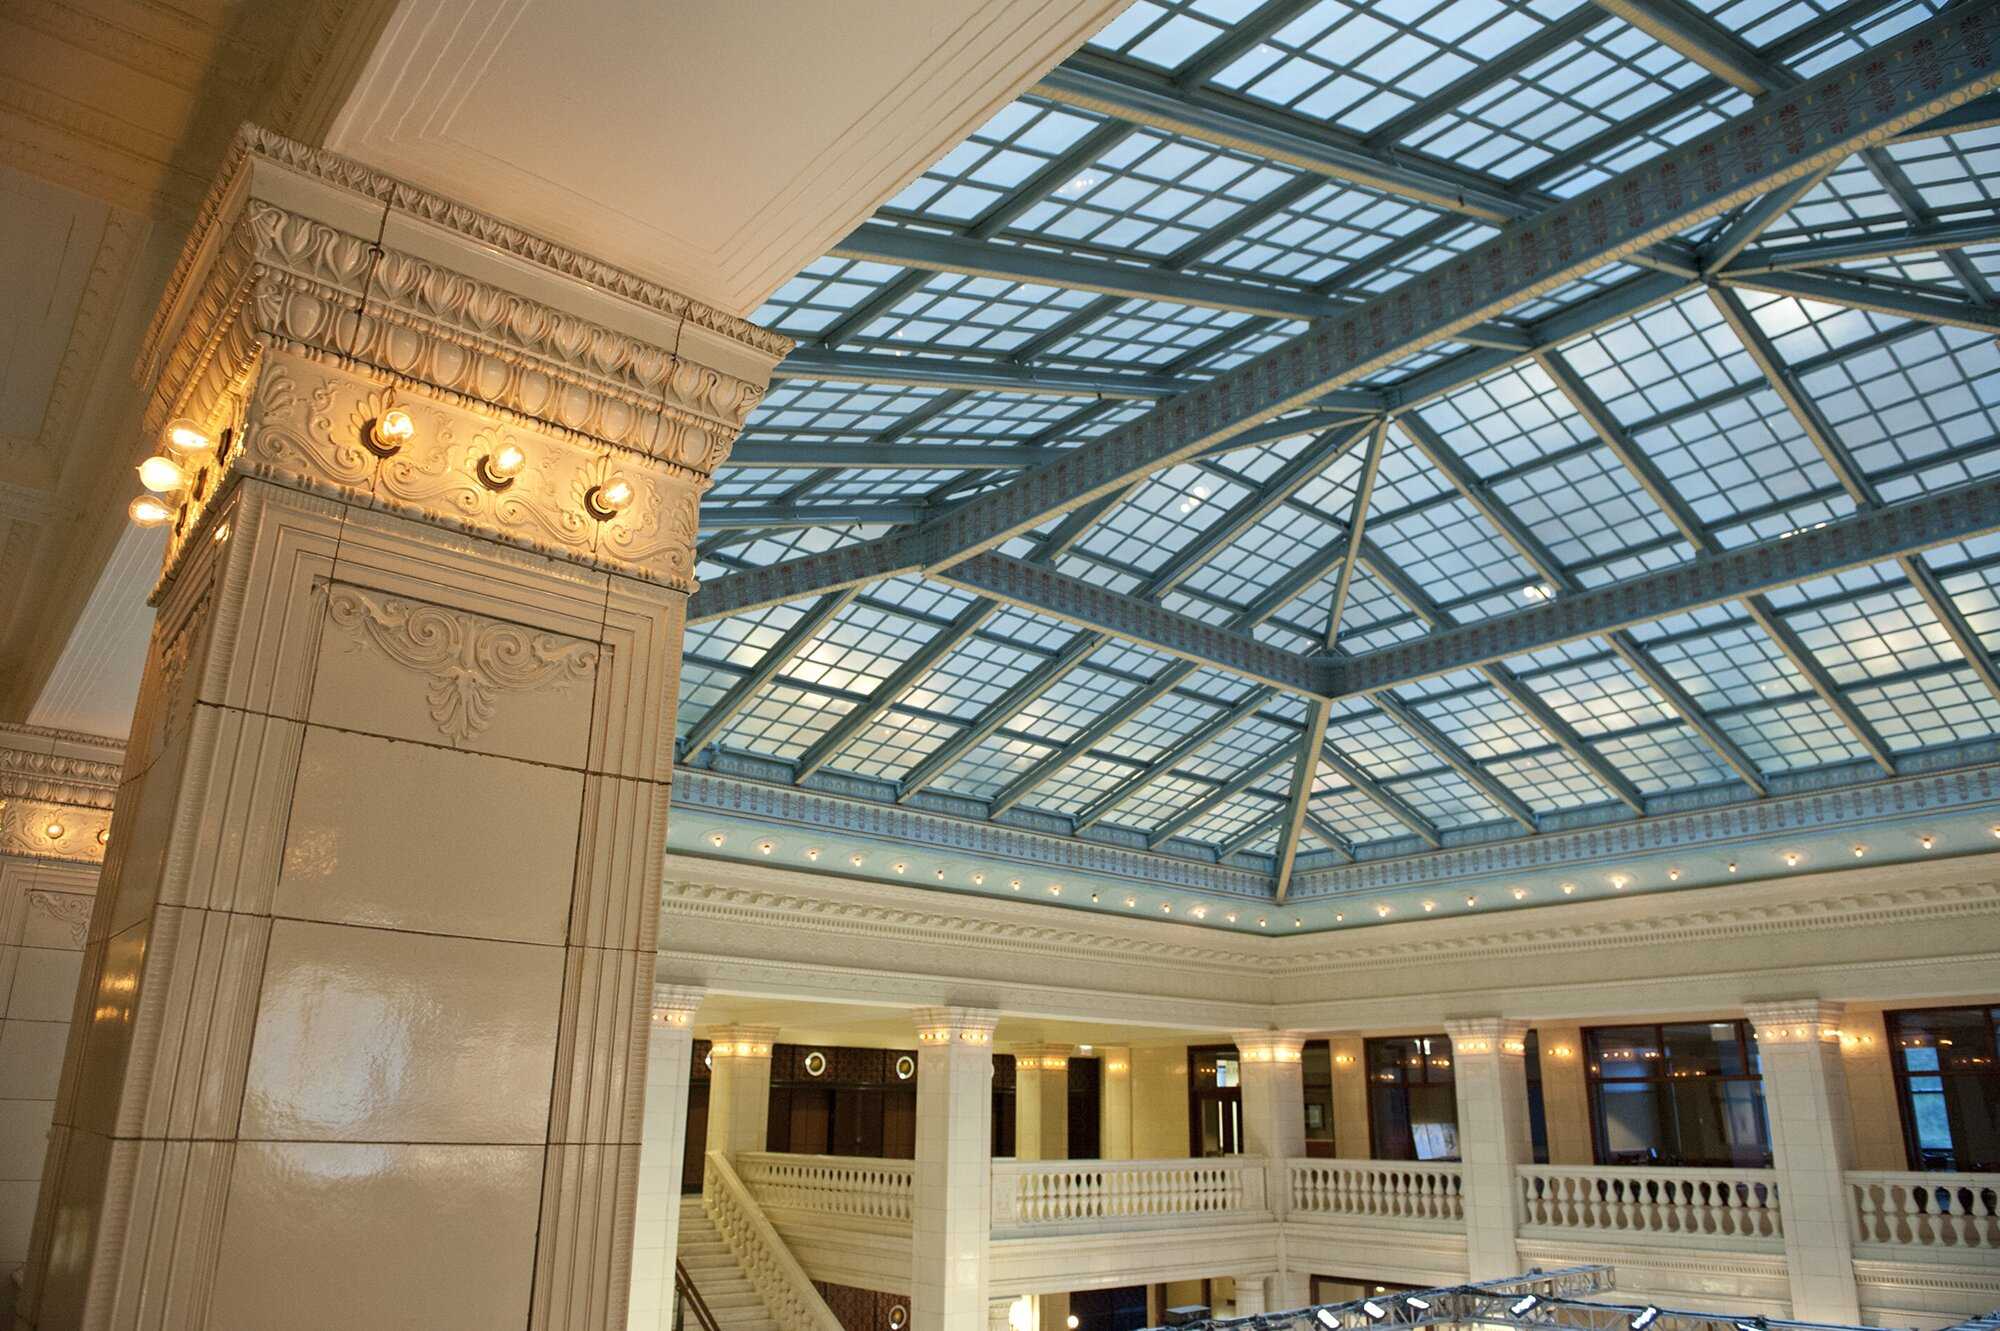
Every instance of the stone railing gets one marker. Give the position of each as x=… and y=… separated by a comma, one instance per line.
x=839, y=1185
x=1098, y=1196
x=765, y=1260
x=1937, y=1212
x=1739, y=1205
x=1416, y=1193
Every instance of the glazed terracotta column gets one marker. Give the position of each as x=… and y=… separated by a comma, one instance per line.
x=1490, y=1075
x=951, y=1213
x=656, y=1227
x=739, y=1088
x=1115, y=1106
x=1041, y=1102
x=1805, y=1105
x=1348, y=1054
x=1274, y=1127
x=362, y=1035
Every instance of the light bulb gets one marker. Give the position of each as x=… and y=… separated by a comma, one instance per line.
x=609, y=499
x=812, y=852
x=498, y=469
x=103, y=836
x=147, y=511
x=184, y=437
x=54, y=831
x=163, y=476
x=391, y=430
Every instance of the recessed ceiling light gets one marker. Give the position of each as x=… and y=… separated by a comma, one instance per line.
x=1674, y=874
x=812, y=852
x=716, y=838
x=1926, y=840
x=856, y=859
x=1520, y=894
x=1569, y=889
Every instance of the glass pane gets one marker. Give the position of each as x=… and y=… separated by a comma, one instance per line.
x=1226, y=1073
x=1708, y=1048
x=1954, y=1039
x=1624, y=1051
x=1434, y=1122
x=1628, y=1124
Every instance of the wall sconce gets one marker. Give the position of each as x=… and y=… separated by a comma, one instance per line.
x=606, y=501
x=499, y=469
x=387, y=433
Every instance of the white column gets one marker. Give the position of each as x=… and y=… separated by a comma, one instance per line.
x=739, y=1088
x=1000, y=1315
x=1274, y=1123
x=1041, y=1102
x=1805, y=1103
x=951, y=1203
x=1249, y=1295
x=1114, y=1132
x=1491, y=1077
x=1052, y=1311
x=662, y=1149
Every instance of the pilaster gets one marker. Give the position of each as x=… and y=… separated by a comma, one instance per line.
x=365, y=993
x=662, y=1153
x=1114, y=1134
x=1491, y=1079
x=1274, y=1107
x=1805, y=1105
x=739, y=1088
x=1347, y=1053
x=1041, y=1102
x=1565, y=1094
x=1249, y=1295
x=951, y=1203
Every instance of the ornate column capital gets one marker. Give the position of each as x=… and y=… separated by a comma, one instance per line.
x=747, y=1042
x=1270, y=1046
x=944, y=1026
x=56, y=792
x=334, y=330
x=1796, y=1020
x=674, y=1004
x=1042, y=1057
x=1487, y=1035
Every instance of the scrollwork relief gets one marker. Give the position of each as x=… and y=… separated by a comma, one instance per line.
x=470, y=661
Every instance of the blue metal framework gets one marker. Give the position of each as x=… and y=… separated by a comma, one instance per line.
x=1296, y=433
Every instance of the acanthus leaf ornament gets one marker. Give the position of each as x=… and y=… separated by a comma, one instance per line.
x=470, y=660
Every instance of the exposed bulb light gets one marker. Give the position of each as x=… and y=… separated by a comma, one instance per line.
x=55, y=831
x=1619, y=882
x=1569, y=889
x=857, y=859
x=812, y=852
x=1520, y=894
x=1926, y=840
x=163, y=476
x=716, y=838
x=1792, y=859
x=1072, y=1323
x=1859, y=851
x=1325, y=1317
x=1014, y=883
x=388, y=432
x=1263, y=921
x=1732, y=866
x=498, y=469
x=979, y=880
x=185, y=437
x=103, y=836
x=1298, y=923
x=766, y=847
x=1130, y=902
x=1674, y=874
x=1055, y=889
x=1471, y=900
x=1093, y=896
x=147, y=511
x=608, y=500
x=1230, y=917
x=899, y=866
x=940, y=875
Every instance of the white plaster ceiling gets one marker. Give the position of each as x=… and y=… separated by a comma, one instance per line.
x=714, y=148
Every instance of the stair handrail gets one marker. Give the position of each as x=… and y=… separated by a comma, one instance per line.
x=783, y=1285
x=691, y=1297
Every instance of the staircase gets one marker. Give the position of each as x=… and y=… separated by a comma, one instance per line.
x=721, y=1282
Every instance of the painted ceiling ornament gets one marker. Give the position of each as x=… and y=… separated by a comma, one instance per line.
x=470, y=660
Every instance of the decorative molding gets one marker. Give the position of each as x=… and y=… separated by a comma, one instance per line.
x=470, y=660
x=71, y=910
x=1796, y=1021
x=58, y=766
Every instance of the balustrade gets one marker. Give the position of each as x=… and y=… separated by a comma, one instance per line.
x=1935, y=1211
x=765, y=1260
x=1737, y=1204
x=1042, y=1196
x=829, y=1184
x=1419, y=1193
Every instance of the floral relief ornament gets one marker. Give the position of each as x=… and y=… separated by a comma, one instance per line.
x=470, y=660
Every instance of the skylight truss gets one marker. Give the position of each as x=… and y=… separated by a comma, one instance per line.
x=1320, y=430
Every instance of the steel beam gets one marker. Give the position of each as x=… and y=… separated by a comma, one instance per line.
x=1305, y=772
x=1357, y=525
x=1395, y=805
x=1124, y=92
x=1677, y=700
x=931, y=371
x=1887, y=533
x=1258, y=769
x=1683, y=28
x=1454, y=757
x=779, y=453
x=743, y=517
x=1075, y=601
x=1924, y=71
x=1207, y=733
x=717, y=718
x=1002, y=709
x=1829, y=289
x=1922, y=238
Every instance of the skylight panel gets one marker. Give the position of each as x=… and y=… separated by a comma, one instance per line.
x=1071, y=704
x=954, y=312
x=1258, y=559
x=1976, y=593
x=1933, y=391
x=1372, y=740
x=1573, y=292
x=783, y=722
x=1885, y=632
x=701, y=688
x=1952, y=707
x=1447, y=799
x=992, y=765
x=1608, y=154
x=1168, y=33
x=1734, y=664
x=1599, y=696
x=1324, y=233
x=1158, y=800
x=1151, y=193
x=1079, y=785
x=1449, y=548
x=1762, y=22
x=1159, y=726
x=859, y=650
x=1589, y=85
x=1585, y=507
x=1166, y=514
x=834, y=408
x=1373, y=616
x=1255, y=741
x=892, y=744
x=1850, y=200
x=1665, y=759
x=1549, y=780
x=1792, y=736
x=1483, y=723
x=1511, y=419
x=1015, y=625
x=825, y=291
x=1749, y=453
x=1143, y=334
x=1020, y=140
x=1662, y=359
x=1352, y=814
x=1870, y=30
x=971, y=677
x=1952, y=170
x=775, y=547
x=742, y=640
x=1239, y=814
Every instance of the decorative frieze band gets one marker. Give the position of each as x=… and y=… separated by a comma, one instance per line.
x=56, y=792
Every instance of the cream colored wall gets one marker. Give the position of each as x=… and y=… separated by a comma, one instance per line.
x=1159, y=1102
x=44, y=911
x=1350, y=1097
x=1565, y=1096
x=1874, y=1119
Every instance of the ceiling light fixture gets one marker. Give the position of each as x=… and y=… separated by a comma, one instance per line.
x=185, y=437
x=163, y=476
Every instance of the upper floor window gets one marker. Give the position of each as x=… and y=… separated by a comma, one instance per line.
x=1215, y=1101
x=1685, y=1093
x=1948, y=1085
x=1412, y=1100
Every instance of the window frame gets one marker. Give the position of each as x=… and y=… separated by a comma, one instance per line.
x=1905, y=1110
x=1594, y=1082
